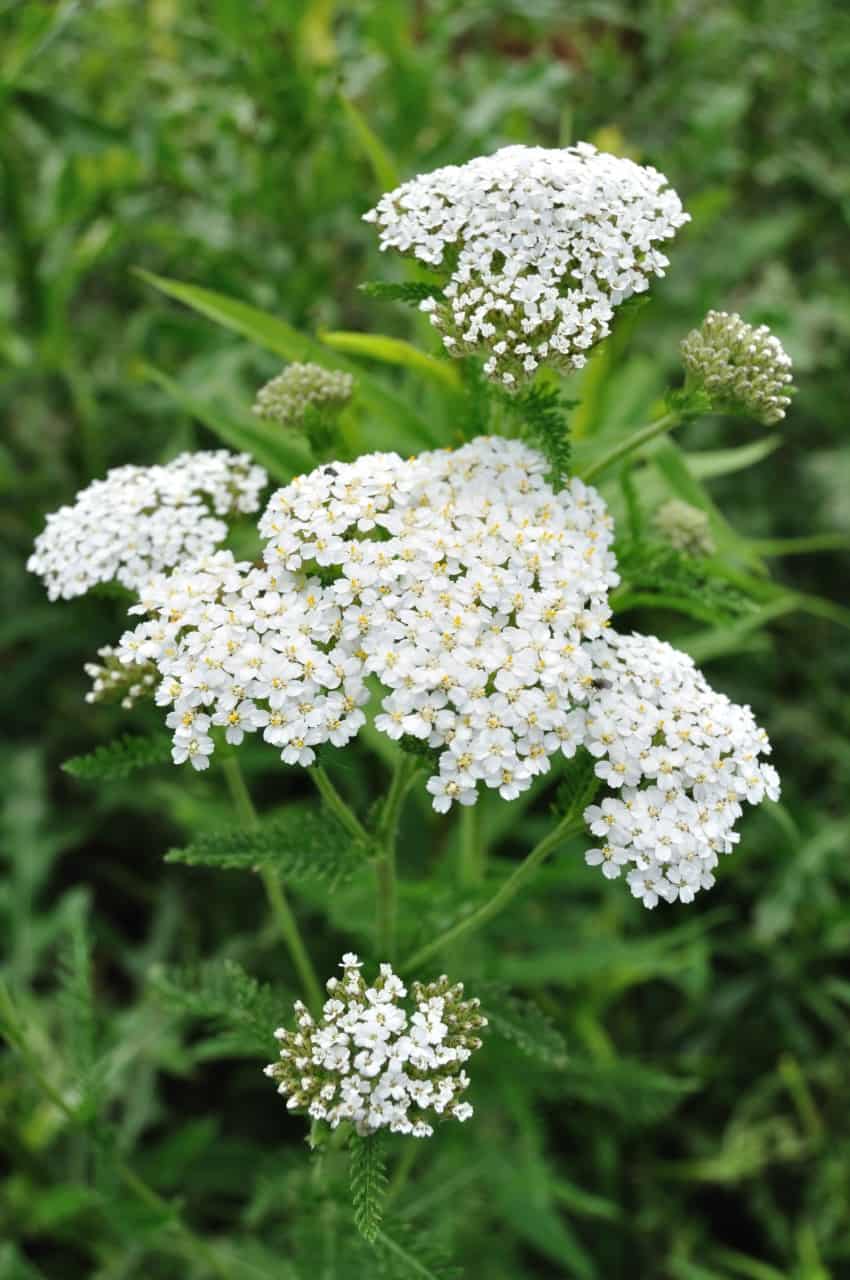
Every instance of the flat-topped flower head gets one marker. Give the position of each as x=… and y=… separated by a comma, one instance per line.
x=680, y=760
x=743, y=368
x=380, y=1056
x=540, y=247
x=139, y=521
x=461, y=580
x=685, y=527
x=288, y=398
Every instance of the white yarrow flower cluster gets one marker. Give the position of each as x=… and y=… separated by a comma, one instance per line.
x=541, y=245
x=142, y=520
x=372, y=1061
x=299, y=388
x=682, y=760
x=743, y=368
x=460, y=580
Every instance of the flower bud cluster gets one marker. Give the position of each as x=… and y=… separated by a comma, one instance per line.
x=117, y=681
x=743, y=368
x=681, y=759
x=142, y=520
x=376, y=1062
x=541, y=247
x=299, y=388
x=685, y=527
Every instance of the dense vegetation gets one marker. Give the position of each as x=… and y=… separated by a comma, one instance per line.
x=662, y=1095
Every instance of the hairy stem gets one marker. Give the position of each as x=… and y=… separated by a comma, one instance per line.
x=568, y=826
x=277, y=899
x=631, y=443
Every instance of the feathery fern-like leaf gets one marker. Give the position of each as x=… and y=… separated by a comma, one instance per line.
x=523, y=1023
x=223, y=994
x=120, y=758
x=410, y=292
x=654, y=569
x=300, y=843
x=578, y=785
x=542, y=414
x=368, y=1182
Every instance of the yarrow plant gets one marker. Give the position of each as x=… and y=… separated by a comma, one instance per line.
x=454, y=611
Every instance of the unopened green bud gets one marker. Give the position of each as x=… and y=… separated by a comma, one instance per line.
x=300, y=388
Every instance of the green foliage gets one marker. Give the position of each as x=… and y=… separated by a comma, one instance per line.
x=578, y=786
x=121, y=758
x=223, y=994
x=411, y=292
x=300, y=843
x=523, y=1023
x=368, y=1181
x=542, y=413
x=656, y=575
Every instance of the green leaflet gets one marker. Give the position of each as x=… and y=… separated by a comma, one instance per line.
x=540, y=409
x=120, y=758
x=657, y=575
x=378, y=346
x=411, y=292
x=382, y=163
x=636, y=1093
x=223, y=994
x=523, y=1023
x=301, y=843
x=579, y=785
x=276, y=335
x=368, y=1183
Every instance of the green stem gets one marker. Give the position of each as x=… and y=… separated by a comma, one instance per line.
x=338, y=807
x=631, y=443
x=471, y=851
x=277, y=899
x=508, y=890
x=385, y=864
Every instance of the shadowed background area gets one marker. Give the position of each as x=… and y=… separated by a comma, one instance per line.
x=696, y=1125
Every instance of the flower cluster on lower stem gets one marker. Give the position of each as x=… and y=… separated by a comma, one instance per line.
x=377, y=1062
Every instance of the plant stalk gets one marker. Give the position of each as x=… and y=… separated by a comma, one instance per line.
x=338, y=807
x=385, y=864
x=631, y=443
x=277, y=900
x=568, y=826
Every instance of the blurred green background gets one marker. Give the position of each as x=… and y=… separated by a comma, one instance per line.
x=699, y=1129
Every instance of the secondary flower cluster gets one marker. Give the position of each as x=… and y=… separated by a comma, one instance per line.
x=460, y=580
x=685, y=527
x=682, y=759
x=541, y=247
x=289, y=396
x=142, y=520
x=743, y=368
x=372, y=1061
